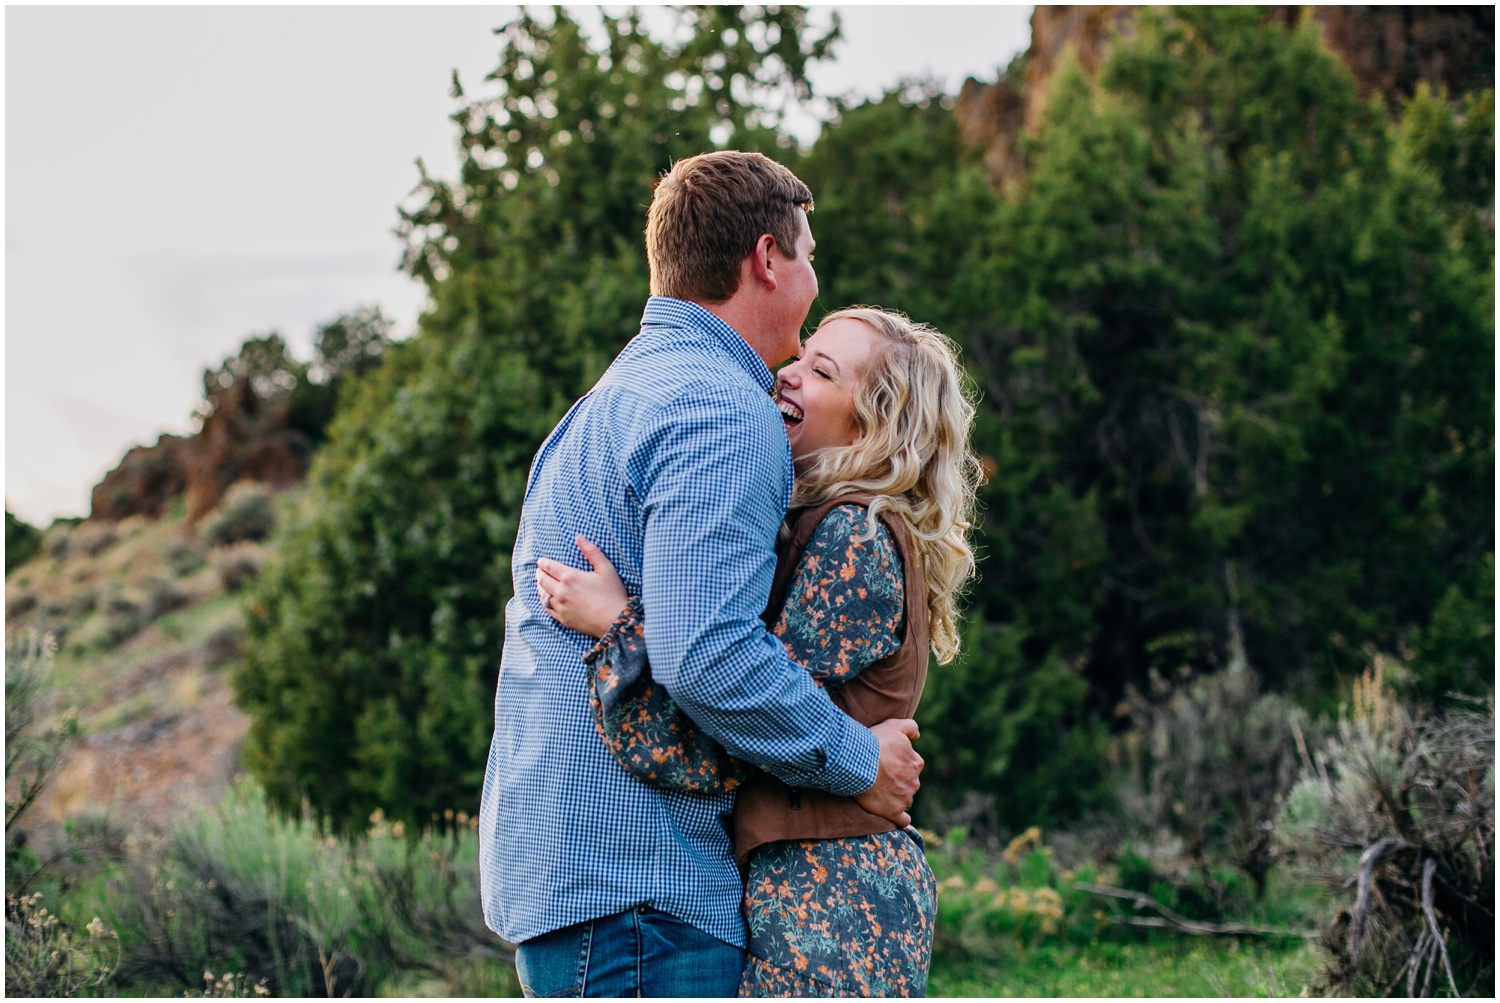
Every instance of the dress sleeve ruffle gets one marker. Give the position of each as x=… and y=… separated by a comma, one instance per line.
x=640, y=723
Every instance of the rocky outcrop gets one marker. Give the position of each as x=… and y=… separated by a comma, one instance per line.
x=147, y=480
x=244, y=437
x=1391, y=49
x=1388, y=49
x=995, y=116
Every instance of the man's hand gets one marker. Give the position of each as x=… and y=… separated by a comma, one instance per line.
x=900, y=771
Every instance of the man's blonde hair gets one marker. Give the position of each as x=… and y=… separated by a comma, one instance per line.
x=914, y=411
x=706, y=215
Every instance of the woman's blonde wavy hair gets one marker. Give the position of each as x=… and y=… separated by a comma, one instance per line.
x=914, y=410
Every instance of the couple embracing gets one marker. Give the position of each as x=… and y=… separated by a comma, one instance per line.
x=702, y=759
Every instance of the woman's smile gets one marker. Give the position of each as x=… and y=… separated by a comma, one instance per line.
x=815, y=392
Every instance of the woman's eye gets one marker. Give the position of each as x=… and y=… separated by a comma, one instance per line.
x=821, y=373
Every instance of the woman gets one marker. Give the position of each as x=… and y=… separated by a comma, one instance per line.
x=839, y=902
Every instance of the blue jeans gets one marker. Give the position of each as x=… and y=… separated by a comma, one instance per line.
x=638, y=952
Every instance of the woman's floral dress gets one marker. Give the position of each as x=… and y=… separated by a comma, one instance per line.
x=827, y=917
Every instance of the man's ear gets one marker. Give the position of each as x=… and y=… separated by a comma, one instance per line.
x=762, y=262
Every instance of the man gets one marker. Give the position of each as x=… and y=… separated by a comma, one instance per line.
x=677, y=466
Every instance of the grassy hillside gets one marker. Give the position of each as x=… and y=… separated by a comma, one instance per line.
x=145, y=615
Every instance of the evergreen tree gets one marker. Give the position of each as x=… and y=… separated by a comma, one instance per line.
x=345, y=348
x=22, y=541
x=1234, y=336
x=1240, y=378
x=375, y=640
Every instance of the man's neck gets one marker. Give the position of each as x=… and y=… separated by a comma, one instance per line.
x=742, y=316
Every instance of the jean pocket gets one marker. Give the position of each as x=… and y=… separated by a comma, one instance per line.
x=572, y=992
x=555, y=965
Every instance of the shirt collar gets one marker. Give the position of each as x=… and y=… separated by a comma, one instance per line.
x=665, y=311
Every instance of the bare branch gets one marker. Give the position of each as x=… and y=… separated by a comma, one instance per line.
x=1176, y=921
x=1428, y=869
x=1373, y=855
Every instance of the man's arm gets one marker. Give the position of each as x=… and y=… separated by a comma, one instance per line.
x=711, y=476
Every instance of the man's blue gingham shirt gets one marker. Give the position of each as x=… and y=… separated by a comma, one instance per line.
x=677, y=466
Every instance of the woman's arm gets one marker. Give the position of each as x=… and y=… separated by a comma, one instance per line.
x=843, y=610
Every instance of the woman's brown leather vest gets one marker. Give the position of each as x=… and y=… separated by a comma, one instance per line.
x=767, y=809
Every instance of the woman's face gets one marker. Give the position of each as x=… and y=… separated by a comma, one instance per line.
x=815, y=392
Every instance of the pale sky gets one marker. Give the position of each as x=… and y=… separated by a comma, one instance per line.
x=178, y=178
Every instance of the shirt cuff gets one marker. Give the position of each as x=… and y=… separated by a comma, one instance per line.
x=853, y=761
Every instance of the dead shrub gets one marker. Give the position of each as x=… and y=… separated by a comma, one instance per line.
x=162, y=597
x=237, y=565
x=1397, y=811
x=1209, y=763
x=94, y=538
x=223, y=643
x=248, y=512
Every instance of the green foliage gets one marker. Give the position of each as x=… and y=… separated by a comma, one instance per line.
x=998, y=909
x=34, y=745
x=1002, y=911
x=22, y=541
x=241, y=890
x=1235, y=284
x=262, y=370
x=994, y=724
x=1234, y=331
x=347, y=347
x=1192, y=968
x=264, y=389
x=371, y=669
x=906, y=210
x=897, y=203
x=46, y=954
x=1456, y=651
x=351, y=345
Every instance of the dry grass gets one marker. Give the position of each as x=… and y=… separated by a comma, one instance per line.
x=145, y=625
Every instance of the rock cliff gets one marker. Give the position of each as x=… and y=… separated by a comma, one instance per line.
x=245, y=436
x=1389, y=50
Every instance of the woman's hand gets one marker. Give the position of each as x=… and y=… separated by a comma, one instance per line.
x=585, y=601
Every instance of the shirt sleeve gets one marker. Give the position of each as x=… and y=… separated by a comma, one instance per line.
x=712, y=478
x=843, y=609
